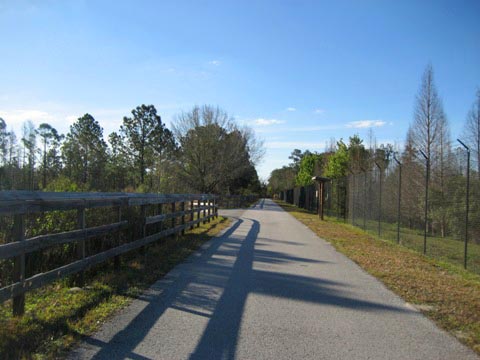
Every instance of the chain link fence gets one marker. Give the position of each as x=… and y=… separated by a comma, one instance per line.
x=393, y=203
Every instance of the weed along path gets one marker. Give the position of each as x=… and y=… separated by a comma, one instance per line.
x=269, y=288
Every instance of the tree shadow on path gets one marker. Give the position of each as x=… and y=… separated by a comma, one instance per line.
x=216, y=283
x=220, y=338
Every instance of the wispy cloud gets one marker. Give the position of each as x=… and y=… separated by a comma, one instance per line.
x=300, y=129
x=366, y=124
x=19, y=116
x=215, y=62
x=319, y=111
x=268, y=122
x=295, y=145
x=61, y=119
x=291, y=109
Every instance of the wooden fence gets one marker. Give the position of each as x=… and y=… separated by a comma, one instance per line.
x=183, y=212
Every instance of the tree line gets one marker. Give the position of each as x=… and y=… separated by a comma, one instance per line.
x=204, y=152
x=428, y=144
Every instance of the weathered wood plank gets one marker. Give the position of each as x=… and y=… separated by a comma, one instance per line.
x=18, y=195
x=158, y=218
x=36, y=206
x=43, y=241
x=19, y=202
x=42, y=279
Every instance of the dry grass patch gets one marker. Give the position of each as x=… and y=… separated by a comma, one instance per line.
x=445, y=293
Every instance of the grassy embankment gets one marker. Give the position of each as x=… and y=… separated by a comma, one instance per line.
x=57, y=316
x=446, y=248
x=444, y=292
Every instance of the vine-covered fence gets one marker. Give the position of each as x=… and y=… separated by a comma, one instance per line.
x=47, y=236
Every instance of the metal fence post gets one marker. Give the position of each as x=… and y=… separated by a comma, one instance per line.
x=467, y=204
x=345, y=199
x=337, y=183
x=352, y=196
x=379, y=201
x=427, y=178
x=350, y=184
x=399, y=196
x=364, y=199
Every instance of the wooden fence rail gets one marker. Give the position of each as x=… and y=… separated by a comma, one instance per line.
x=19, y=204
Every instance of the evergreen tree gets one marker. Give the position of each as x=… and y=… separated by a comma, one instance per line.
x=50, y=154
x=84, y=154
x=145, y=138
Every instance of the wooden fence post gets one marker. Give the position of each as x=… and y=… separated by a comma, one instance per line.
x=19, y=263
x=191, y=213
x=160, y=211
x=143, y=221
x=182, y=207
x=116, y=259
x=174, y=219
x=204, y=211
x=209, y=209
x=80, y=280
x=198, y=213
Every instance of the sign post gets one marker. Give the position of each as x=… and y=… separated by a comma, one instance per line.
x=321, y=190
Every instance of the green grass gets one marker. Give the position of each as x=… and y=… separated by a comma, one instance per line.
x=56, y=316
x=452, y=293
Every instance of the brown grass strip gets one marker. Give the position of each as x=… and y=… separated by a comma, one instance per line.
x=445, y=293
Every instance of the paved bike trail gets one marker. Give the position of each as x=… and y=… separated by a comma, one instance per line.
x=269, y=288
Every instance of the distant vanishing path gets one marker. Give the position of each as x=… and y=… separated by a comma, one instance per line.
x=269, y=289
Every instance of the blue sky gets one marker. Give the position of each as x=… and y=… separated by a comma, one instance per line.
x=298, y=72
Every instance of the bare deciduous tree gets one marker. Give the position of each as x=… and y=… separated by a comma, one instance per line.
x=472, y=131
x=430, y=133
x=428, y=115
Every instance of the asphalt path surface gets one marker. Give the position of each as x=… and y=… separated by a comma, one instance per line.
x=269, y=288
